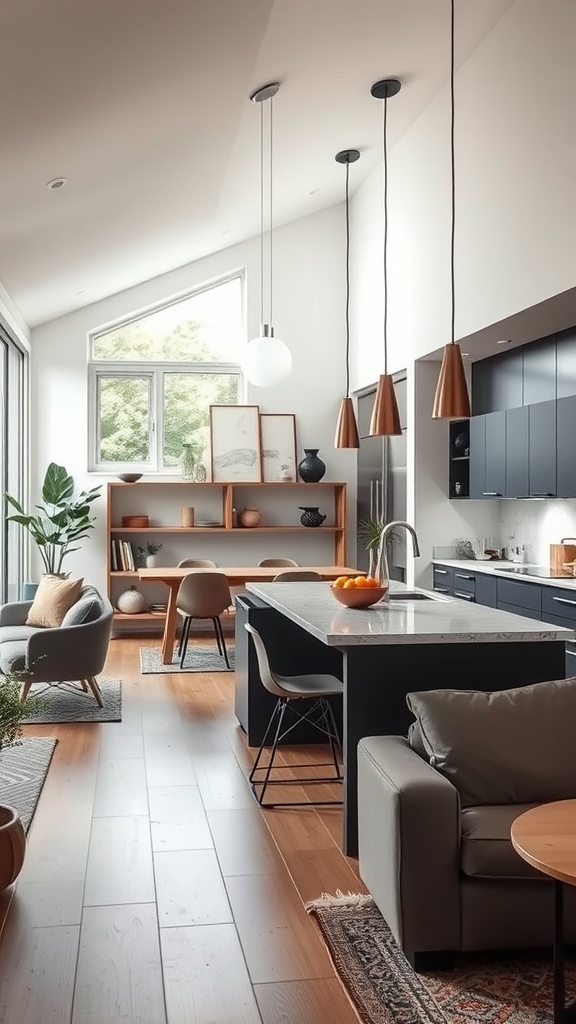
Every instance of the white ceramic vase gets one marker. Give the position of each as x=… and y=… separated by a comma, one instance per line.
x=150, y=561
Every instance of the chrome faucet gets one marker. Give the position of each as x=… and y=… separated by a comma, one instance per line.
x=393, y=526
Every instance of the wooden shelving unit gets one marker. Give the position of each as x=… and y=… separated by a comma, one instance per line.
x=126, y=499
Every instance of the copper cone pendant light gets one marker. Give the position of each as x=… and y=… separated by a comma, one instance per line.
x=385, y=420
x=346, y=427
x=452, y=400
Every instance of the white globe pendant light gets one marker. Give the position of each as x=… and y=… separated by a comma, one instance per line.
x=267, y=360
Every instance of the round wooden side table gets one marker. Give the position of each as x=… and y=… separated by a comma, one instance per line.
x=545, y=837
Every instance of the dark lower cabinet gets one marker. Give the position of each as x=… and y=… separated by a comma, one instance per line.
x=486, y=590
x=516, y=447
x=542, y=449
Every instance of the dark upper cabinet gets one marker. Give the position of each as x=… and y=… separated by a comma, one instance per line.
x=497, y=382
x=566, y=447
x=517, y=460
x=540, y=371
x=542, y=449
x=477, y=481
x=495, y=480
x=566, y=363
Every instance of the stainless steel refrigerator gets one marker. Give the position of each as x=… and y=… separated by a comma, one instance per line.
x=381, y=481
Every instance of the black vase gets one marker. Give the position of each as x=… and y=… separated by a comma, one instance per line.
x=311, y=468
x=311, y=516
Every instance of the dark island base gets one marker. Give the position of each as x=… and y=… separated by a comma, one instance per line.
x=376, y=681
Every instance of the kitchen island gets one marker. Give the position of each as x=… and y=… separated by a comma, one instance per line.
x=416, y=641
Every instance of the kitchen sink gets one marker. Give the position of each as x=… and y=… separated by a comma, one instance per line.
x=411, y=595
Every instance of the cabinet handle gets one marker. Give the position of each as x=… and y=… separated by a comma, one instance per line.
x=542, y=494
x=563, y=600
x=491, y=494
x=467, y=597
x=441, y=590
x=462, y=576
x=441, y=572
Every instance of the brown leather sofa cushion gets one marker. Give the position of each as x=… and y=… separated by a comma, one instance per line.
x=508, y=747
x=486, y=850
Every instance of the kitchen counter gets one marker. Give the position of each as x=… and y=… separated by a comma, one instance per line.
x=499, y=569
x=383, y=653
x=438, y=620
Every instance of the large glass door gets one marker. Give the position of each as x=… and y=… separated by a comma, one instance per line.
x=13, y=366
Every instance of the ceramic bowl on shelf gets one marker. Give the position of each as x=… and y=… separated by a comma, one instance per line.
x=129, y=478
x=358, y=597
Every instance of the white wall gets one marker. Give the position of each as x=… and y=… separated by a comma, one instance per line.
x=308, y=274
x=537, y=524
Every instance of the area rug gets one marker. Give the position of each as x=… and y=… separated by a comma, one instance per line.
x=477, y=988
x=64, y=704
x=198, y=659
x=23, y=769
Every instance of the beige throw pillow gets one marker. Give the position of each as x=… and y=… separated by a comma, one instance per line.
x=509, y=747
x=53, y=599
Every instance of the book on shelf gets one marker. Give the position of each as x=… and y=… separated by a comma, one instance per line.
x=122, y=556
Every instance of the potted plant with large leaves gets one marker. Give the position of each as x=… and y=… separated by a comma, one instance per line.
x=60, y=521
x=12, y=834
x=370, y=533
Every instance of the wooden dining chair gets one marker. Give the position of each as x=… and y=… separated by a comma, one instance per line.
x=276, y=561
x=292, y=575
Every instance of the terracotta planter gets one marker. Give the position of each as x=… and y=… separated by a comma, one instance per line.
x=250, y=517
x=12, y=845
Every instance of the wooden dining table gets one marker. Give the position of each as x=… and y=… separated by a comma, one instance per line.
x=237, y=575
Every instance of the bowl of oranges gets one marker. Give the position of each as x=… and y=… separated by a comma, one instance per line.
x=358, y=591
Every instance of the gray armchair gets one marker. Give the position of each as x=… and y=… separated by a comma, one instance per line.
x=436, y=808
x=73, y=652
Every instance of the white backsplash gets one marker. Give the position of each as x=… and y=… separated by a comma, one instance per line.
x=537, y=524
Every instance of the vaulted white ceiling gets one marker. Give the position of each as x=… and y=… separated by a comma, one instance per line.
x=143, y=106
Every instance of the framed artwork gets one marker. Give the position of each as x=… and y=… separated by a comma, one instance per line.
x=278, y=433
x=235, y=443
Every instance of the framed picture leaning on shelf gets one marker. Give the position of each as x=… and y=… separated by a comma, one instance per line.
x=235, y=444
x=278, y=433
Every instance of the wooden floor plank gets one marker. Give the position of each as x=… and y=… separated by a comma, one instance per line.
x=119, y=969
x=119, y=866
x=317, y=871
x=168, y=762
x=190, y=889
x=118, y=744
x=121, y=789
x=178, y=820
x=279, y=940
x=222, y=784
x=195, y=994
x=38, y=968
x=50, y=903
x=305, y=1002
x=243, y=843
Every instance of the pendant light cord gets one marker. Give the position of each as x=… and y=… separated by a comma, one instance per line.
x=385, y=194
x=453, y=181
x=261, y=214
x=347, y=283
x=271, y=204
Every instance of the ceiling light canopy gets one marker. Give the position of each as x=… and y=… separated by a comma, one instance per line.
x=55, y=183
x=267, y=360
x=452, y=400
x=346, y=426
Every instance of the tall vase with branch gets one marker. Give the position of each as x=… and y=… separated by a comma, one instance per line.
x=61, y=520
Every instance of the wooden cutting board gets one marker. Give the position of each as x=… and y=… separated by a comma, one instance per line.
x=560, y=554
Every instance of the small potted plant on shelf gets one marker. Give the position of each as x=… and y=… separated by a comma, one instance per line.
x=61, y=520
x=149, y=552
x=12, y=835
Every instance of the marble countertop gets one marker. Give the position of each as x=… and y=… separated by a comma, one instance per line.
x=499, y=569
x=440, y=620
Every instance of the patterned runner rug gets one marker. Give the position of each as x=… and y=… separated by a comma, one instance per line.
x=198, y=659
x=23, y=769
x=477, y=989
x=68, y=703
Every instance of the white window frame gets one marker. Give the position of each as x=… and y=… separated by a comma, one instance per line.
x=155, y=371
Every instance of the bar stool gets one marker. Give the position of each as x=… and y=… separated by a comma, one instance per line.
x=289, y=690
x=292, y=575
x=276, y=561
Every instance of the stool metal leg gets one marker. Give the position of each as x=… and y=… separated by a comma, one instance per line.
x=281, y=708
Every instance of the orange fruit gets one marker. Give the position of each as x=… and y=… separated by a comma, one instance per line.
x=370, y=581
x=340, y=581
x=350, y=584
x=361, y=582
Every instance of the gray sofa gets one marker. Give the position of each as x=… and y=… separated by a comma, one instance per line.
x=435, y=817
x=75, y=651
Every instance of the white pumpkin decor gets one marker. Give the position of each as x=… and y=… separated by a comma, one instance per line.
x=131, y=602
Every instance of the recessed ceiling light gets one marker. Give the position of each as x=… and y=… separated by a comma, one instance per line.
x=504, y=341
x=55, y=183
